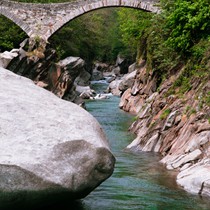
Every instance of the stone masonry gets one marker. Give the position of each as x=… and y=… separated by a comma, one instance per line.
x=43, y=20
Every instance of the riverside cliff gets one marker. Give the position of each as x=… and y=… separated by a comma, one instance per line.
x=173, y=124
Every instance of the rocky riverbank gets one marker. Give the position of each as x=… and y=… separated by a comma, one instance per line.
x=176, y=126
x=172, y=124
x=68, y=79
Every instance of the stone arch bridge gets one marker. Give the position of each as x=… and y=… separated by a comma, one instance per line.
x=43, y=20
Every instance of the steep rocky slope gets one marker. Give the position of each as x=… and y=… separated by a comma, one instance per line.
x=173, y=124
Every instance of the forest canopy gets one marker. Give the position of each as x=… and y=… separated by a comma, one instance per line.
x=181, y=30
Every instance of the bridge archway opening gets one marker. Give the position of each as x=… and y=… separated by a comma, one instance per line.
x=96, y=26
x=43, y=20
x=11, y=34
x=96, y=10
x=82, y=10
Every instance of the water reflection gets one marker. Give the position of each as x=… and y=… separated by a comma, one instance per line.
x=38, y=201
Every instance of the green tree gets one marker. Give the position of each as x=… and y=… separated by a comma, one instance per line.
x=10, y=36
x=133, y=26
x=187, y=22
x=92, y=36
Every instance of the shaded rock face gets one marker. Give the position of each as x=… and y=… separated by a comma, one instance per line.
x=119, y=70
x=84, y=78
x=123, y=64
x=120, y=84
x=175, y=127
x=63, y=78
x=6, y=57
x=59, y=78
x=97, y=75
x=50, y=146
x=98, y=70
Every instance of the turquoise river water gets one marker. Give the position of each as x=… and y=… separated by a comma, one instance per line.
x=139, y=181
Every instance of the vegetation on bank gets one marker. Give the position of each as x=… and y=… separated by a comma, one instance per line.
x=179, y=36
x=177, y=39
x=10, y=37
x=43, y=1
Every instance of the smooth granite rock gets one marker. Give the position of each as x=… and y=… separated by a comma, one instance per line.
x=48, y=145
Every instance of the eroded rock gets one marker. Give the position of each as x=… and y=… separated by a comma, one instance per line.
x=58, y=78
x=114, y=87
x=196, y=179
x=172, y=126
x=127, y=81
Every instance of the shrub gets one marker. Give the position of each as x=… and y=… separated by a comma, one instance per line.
x=165, y=114
x=187, y=23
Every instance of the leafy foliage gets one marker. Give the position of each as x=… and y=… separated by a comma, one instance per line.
x=10, y=36
x=187, y=21
x=165, y=114
x=132, y=25
x=92, y=36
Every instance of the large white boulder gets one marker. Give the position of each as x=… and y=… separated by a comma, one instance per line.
x=48, y=144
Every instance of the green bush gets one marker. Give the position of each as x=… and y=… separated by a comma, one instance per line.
x=165, y=114
x=133, y=25
x=187, y=21
x=11, y=36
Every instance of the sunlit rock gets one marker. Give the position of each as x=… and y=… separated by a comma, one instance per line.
x=102, y=96
x=48, y=146
x=127, y=81
x=132, y=68
x=196, y=179
x=114, y=87
x=85, y=92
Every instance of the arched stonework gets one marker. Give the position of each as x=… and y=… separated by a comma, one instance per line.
x=43, y=20
x=8, y=14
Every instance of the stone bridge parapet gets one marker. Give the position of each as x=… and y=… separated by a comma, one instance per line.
x=43, y=20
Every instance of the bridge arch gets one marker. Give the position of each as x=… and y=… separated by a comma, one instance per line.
x=43, y=20
x=148, y=6
x=15, y=20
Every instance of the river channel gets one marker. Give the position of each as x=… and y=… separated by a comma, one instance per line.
x=139, y=181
